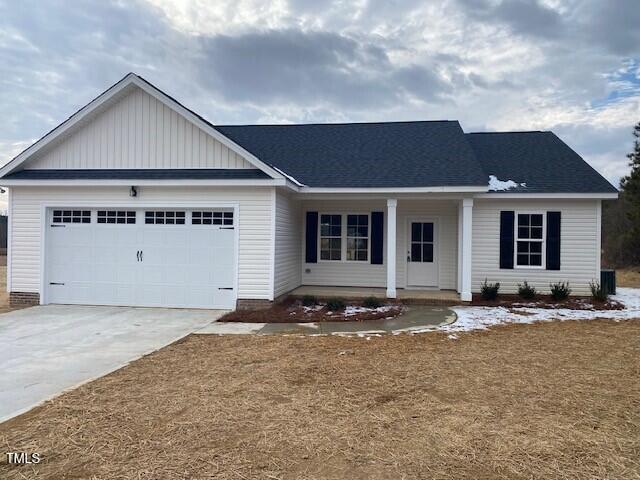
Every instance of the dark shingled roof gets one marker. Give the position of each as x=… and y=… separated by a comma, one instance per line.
x=540, y=159
x=395, y=154
x=141, y=174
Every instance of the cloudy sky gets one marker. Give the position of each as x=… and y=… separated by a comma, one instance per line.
x=571, y=66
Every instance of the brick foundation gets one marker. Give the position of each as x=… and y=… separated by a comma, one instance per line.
x=252, y=304
x=23, y=298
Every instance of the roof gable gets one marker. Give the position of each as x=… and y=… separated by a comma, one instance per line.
x=137, y=131
x=99, y=136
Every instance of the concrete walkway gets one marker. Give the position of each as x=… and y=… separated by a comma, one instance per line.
x=415, y=318
x=49, y=349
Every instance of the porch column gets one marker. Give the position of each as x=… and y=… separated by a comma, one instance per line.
x=459, y=270
x=392, y=203
x=467, y=245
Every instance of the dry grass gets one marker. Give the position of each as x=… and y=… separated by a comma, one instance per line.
x=628, y=277
x=4, y=295
x=553, y=400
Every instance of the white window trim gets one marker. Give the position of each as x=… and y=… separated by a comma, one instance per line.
x=343, y=238
x=346, y=236
x=543, y=240
x=342, y=241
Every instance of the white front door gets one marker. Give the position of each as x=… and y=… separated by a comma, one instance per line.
x=141, y=257
x=422, y=253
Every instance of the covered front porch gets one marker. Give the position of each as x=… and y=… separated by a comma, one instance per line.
x=414, y=247
x=426, y=297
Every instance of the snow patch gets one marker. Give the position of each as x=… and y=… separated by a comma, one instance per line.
x=496, y=185
x=289, y=177
x=353, y=310
x=482, y=318
x=312, y=309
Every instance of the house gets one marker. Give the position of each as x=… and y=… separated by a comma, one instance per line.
x=137, y=200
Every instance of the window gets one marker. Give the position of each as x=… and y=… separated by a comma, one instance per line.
x=422, y=242
x=164, y=218
x=358, y=238
x=117, y=216
x=330, y=237
x=72, y=216
x=529, y=239
x=212, y=218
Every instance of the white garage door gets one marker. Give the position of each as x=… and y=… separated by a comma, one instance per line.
x=149, y=258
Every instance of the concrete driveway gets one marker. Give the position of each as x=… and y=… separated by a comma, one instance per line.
x=48, y=349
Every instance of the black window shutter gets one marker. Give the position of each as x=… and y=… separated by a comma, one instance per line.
x=553, y=240
x=377, y=236
x=506, y=239
x=311, y=237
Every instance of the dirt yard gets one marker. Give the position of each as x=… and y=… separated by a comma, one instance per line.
x=292, y=311
x=552, y=400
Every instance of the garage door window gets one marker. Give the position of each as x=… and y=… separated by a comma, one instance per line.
x=117, y=216
x=164, y=218
x=72, y=216
x=212, y=218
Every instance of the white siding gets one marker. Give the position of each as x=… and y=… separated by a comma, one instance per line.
x=363, y=274
x=579, y=254
x=288, y=254
x=254, y=262
x=138, y=131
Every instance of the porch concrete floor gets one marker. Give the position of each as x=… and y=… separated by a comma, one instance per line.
x=448, y=297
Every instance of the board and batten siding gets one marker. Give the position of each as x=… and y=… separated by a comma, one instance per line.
x=138, y=131
x=255, y=207
x=364, y=274
x=579, y=245
x=288, y=254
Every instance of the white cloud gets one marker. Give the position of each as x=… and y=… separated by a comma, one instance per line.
x=562, y=65
x=204, y=17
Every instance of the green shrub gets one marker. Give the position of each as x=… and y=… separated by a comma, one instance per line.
x=560, y=290
x=371, y=302
x=309, y=301
x=489, y=291
x=526, y=291
x=599, y=293
x=335, y=304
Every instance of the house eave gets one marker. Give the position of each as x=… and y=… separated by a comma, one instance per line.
x=532, y=196
x=149, y=182
x=393, y=190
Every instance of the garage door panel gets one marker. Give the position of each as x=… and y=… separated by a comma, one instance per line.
x=142, y=264
x=151, y=274
x=179, y=275
x=153, y=236
x=176, y=235
x=201, y=295
x=125, y=294
x=75, y=236
x=200, y=237
x=199, y=276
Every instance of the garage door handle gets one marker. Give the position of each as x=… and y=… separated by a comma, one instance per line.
x=55, y=283
x=138, y=255
x=225, y=288
x=141, y=255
